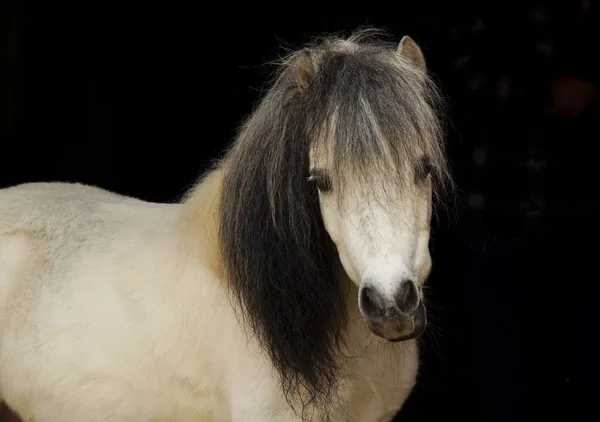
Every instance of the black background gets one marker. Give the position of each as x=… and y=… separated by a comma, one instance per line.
x=138, y=99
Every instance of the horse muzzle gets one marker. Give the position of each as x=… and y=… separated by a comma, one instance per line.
x=399, y=318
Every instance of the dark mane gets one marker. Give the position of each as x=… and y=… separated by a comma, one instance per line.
x=283, y=268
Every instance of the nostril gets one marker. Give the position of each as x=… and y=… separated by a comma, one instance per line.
x=370, y=302
x=408, y=296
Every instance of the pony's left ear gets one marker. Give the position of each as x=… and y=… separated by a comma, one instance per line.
x=409, y=49
x=305, y=69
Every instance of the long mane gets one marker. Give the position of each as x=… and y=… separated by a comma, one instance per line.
x=283, y=269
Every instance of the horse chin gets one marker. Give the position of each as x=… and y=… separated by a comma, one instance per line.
x=418, y=323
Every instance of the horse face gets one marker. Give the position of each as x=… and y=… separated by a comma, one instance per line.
x=381, y=231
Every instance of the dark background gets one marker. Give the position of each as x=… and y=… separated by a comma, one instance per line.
x=138, y=99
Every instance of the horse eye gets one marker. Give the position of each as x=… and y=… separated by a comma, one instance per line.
x=423, y=169
x=322, y=183
x=321, y=180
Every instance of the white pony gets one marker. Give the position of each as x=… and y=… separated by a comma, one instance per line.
x=286, y=286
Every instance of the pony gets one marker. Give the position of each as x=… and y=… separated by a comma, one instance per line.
x=285, y=285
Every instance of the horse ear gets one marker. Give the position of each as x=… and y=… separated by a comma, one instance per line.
x=409, y=49
x=305, y=69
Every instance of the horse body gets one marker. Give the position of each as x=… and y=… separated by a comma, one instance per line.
x=286, y=286
x=84, y=333
x=107, y=314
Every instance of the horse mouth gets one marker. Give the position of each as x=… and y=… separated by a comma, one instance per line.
x=400, y=327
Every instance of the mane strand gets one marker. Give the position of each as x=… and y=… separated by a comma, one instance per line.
x=281, y=264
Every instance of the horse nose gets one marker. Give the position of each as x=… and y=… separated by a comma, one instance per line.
x=407, y=297
x=371, y=302
x=375, y=305
x=396, y=316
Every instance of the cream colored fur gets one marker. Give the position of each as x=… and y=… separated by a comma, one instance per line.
x=115, y=309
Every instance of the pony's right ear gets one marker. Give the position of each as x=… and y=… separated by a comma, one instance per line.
x=305, y=69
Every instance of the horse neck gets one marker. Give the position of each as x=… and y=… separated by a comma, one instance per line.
x=201, y=220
